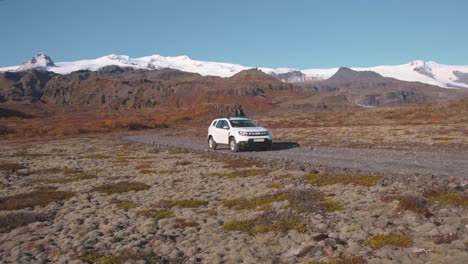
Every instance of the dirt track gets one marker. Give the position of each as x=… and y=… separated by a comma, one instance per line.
x=366, y=160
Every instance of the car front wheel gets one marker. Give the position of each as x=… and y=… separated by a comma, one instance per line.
x=233, y=145
x=211, y=143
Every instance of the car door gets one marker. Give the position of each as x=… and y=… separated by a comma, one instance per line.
x=221, y=132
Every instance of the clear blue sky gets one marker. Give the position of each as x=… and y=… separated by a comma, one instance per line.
x=301, y=34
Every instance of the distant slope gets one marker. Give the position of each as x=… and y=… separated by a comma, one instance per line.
x=367, y=88
x=448, y=76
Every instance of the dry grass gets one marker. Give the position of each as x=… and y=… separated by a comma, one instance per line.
x=35, y=198
x=121, y=187
x=13, y=220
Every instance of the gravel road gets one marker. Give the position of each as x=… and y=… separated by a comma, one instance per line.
x=366, y=160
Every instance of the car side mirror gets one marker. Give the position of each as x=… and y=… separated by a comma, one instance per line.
x=225, y=127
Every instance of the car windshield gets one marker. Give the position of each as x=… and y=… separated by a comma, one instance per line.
x=242, y=123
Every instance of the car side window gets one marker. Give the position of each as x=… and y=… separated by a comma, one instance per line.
x=214, y=123
x=220, y=124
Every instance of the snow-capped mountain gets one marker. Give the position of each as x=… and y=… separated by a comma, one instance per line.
x=40, y=61
x=449, y=76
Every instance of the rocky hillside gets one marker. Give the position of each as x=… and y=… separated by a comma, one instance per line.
x=114, y=87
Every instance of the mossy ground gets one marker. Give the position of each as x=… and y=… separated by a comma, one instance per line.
x=450, y=198
x=96, y=156
x=13, y=220
x=243, y=173
x=323, y=180
x=181, y=203
x=123, y=204
x=10, y=166
x=72, y=178
x=156, y=213
x=379, y=240
x=342, y=260
x=34, y=198
x=121, y=187
x=268, y=222
x=299, y=200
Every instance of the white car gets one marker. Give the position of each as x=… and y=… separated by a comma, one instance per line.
x=238, y=133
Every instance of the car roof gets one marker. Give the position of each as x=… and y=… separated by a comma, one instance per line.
x=233, y=118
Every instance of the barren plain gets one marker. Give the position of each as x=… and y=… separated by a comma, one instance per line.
x=104, y=199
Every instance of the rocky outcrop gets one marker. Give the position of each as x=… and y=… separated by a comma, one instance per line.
x=227, y=110
x=346, y=74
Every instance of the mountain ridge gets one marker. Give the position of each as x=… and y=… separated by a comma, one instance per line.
x=430, y=72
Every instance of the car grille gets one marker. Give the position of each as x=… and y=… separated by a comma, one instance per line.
x=262, y=133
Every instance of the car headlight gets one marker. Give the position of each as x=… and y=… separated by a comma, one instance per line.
x=243, y=133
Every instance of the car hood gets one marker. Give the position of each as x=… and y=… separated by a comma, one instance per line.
x=250, y=129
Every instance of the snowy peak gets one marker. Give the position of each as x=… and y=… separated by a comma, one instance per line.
x=40, y=61
x=448, y=76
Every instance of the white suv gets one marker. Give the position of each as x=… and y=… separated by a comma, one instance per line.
x=238, y=133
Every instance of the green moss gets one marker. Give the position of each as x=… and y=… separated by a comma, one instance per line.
x=96, y=156
x=243, y=173
x=266, y=223
x=450, y=198
x=323, y=180
x=379, y=240
x=156, y=214
x=121, y=187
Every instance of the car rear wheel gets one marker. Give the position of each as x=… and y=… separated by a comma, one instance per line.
x=233, y=145
x=212, y=144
